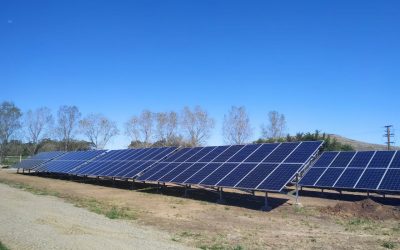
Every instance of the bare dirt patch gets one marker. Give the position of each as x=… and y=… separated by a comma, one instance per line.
x=367, y=209
x=238, y=224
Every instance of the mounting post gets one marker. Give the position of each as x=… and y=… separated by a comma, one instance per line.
x=17, y=170
x=297, y=189
x=186, y=189
x=29, y=171
x=133, y=184
x=221, y=198
x=266, y=207
x=23, y=170
x=368, y=194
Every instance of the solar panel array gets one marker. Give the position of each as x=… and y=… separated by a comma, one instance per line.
x=266, y=167
x=366, y=170
x=68, y=161
x=38, y=159
x=125, y=163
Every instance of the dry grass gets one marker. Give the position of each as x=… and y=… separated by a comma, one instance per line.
x=239, y=224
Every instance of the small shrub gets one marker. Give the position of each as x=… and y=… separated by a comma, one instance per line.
x=388, y=245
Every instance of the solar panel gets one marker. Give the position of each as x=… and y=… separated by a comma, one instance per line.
x=266, y=167
x=126, y=163
x=68, y=161
x=367, y=170
x=38, y=159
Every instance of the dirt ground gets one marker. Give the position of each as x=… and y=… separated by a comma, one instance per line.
x=326, y=221
x=29, y=221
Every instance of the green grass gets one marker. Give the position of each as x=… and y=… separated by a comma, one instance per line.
x=388, y=245
x=2, y=246
x=109, y=210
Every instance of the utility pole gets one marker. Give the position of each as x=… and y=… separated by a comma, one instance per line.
x=389, y=135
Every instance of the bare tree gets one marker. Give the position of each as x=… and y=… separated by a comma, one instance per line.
x=236, y=128
x=166, y=127
x=276, y=127
x=98, y=129
x=10, y=123
x=132, y=129
x=67, y=119
x=38, y=124
x=197, y=125
x=141, y=128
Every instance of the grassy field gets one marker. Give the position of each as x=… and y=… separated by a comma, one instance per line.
x=238, y=224
x=2, y=246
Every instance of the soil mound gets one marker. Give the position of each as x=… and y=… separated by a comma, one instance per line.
x=367, y=208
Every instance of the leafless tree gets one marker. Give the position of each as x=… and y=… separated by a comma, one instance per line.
x=276, y=126
x=236, y=127
x=141, y=128
x=10, y=123
x=132, y=129
x=67, y=123
x=197, y=125
x=38, y=124
x=98, y=129
x=166, y=127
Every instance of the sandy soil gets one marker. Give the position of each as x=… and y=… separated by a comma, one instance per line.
x=30, y=221
x=198, y=221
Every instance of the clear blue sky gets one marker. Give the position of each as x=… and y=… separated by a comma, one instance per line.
x=327, y=65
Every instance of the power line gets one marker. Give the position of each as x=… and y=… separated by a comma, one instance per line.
x=389, y=136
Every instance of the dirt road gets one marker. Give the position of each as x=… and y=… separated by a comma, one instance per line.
x=29, y=221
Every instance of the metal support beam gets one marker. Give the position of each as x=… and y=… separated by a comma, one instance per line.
x=297, y=189
x=221, y=198
x=17, y=170
x=266, y=206
x=186, y=190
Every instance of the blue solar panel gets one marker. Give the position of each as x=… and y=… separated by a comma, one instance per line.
x=326, y=159
x=235, y=166
x=361, y=159
x=281, y=152
x=391, y=180
x=370, y=179
x=125, y=163
x=349, y=178
x=182, y=177
x=256, y=176
x=175, y=172
x=218, y=174
x=243, y=154
x=367, y=170
x=396, y=161
x=232, y=150
x=38, y=159
x=280, y=177
x=381, y=159
x=303, y=152
x=69, y=161
x=236, y=175
x=213, y=154
x=202, y=173
x=329, y=178
x=262, y=152
x=312, y=176
x=196, y=157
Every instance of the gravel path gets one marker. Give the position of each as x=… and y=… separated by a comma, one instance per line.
x=29, y=221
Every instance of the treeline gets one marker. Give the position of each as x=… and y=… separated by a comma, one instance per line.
x=40, y=130
x=329, y=143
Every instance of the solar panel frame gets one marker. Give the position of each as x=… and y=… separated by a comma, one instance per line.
x=203, y=173
x=380, y=161
x=37, y=160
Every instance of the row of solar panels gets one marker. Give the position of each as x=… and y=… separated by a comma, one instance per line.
x=266, y=167
x=368, y=170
